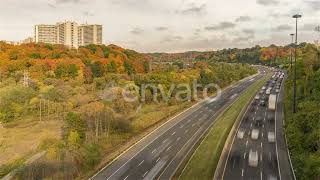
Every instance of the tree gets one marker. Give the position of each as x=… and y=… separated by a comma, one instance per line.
x=128, y=67
x=75, y=124
x=97, y=69
x=112, y=67
x=66, y=71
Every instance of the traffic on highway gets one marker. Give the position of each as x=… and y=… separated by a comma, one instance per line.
x=254, y=154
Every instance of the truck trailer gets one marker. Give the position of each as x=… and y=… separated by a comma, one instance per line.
x=272, y=101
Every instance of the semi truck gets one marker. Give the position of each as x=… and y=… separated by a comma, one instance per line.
x=272, y=101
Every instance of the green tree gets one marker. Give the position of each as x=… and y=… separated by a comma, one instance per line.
x=97, y=69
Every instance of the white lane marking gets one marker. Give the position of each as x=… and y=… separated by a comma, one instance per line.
x=247, y=143
x=178, y=138
x=164, y=141
x=158, y=159
x=168, y=148
x=251, y=125
x=145, y=174
x=261, y=157
x=193, y=124
x=244, y=155
x=140, y=163
x=126, y=177
x=261, y=175
x=262, y=134
x=173, y=133
x=186, y=131
x=153, y=151
x=262, y=126
x=242, y=173
x=181, y=125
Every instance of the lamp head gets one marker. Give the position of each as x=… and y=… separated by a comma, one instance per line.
x=297, y=16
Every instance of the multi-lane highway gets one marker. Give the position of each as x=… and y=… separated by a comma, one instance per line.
x=159, y=154
x=254, y=153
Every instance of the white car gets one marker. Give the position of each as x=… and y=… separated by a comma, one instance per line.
x=277, y=90
x=268, y=91
x=257, y=97
x=263, y=88
x=240, y=134
x=253, y=158
x=255, y=134
x=271, y=137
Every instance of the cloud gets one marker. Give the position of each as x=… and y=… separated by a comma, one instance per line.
x=314, y=5
x=248, y=34
x=87, y=13
x=137, y=31
x=193, y=9
x=283, y=27
x=171, y=38
x=162, y=28
x=309, y=27
x=268, y=2
x=221, y=26
x=67, y=1
x=248, y=31
x=243, y=19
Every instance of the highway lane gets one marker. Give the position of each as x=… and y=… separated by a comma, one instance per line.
x=159, y=154
x=237, y=165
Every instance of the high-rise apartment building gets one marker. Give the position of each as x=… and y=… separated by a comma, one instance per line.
x=89, y=34
x=45, y=33
x=69, y=34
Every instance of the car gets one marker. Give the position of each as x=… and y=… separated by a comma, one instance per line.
x=263, y=88
x=270, y=118
x=255, y=134
x=240, y=134
x=268, y=91
x=271, y=137
x=271, y=177
x=277, y=90
x=258, y=121
x=257, y=97
x=261, y=91
x=253, y=158
x=262, y=102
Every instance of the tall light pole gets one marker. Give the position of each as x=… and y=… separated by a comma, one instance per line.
x=294, y=108
x=292, y=39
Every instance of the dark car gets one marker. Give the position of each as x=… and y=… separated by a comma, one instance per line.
x=258, y=121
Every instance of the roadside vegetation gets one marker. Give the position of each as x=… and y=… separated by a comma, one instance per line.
x=206, y=157
x=303, y=127
x=57, y=100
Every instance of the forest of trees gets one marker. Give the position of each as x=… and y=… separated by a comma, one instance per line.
x=303, y=127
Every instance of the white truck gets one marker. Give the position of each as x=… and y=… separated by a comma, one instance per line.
x=272, y=101
x=253, y=158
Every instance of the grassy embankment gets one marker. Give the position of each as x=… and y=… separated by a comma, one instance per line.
x=205, y=159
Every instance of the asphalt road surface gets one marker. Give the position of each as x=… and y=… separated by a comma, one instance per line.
x=158, y=155
x=237, y=166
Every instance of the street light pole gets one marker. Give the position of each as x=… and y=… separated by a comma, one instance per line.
x=294, y=108
x=292, y=36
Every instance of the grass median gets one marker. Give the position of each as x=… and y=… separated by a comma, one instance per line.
x=203, y=162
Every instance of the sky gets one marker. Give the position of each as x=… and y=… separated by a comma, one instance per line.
x=170, y=25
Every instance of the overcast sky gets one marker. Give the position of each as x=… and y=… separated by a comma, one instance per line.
x=169, y=25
